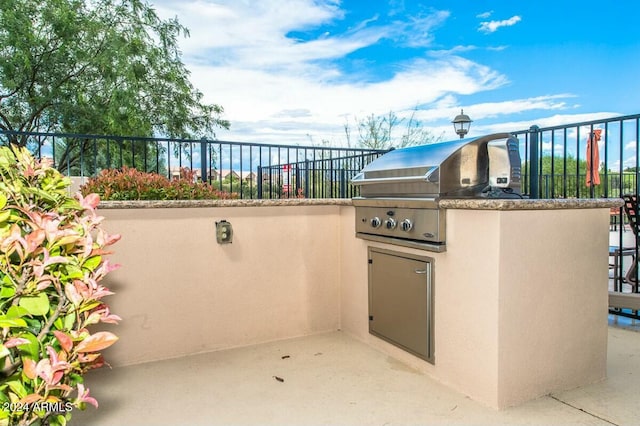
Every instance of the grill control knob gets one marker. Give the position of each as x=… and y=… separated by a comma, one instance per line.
x=406, y=225
x=375, y=222
x=390, y=223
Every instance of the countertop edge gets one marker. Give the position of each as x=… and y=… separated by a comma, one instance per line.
x=168, y=204
x=458, y=203
x=528, y=204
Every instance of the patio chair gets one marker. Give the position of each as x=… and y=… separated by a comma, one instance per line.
x=616, y=219
x=631, y=211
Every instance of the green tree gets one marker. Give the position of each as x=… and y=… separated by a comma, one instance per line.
x=377, y=132
x=566, y=178
x=560, y=179
x=109, y=67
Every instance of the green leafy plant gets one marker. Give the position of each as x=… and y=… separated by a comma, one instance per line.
x=52, y=258
x=131, y=184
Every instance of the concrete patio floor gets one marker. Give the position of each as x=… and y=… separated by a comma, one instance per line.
x=333, y=379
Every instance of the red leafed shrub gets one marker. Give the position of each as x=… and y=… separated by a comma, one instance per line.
x=53, y=255
x=131, y=184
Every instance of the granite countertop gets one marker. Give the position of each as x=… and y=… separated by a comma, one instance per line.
x=527, y=204
x=148, y=204
x=454, y=203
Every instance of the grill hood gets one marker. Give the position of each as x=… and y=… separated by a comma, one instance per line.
x=459, y=168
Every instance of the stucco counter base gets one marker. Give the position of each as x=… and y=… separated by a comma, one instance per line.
x=520, y=299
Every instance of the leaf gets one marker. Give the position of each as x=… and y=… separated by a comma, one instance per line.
x=58, y=323
x=65, y=341
x=36, y=305
x=92, y=262
x=91, y=201
x=16, y=312
x=69, y=321
x=29, y=368
x=32, y=350
x=73, y=272
x=40, y=193
x=31, y=398
x=7, y=292
x=12, y=342
x=68, y=239
x=89, y=306
x=17, y=387
x=11, y=322
x=58, y=420
x=3, y=201
x=97, y=342
x=4, y=215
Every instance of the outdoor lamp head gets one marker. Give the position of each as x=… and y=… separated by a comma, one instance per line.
x=461, y=124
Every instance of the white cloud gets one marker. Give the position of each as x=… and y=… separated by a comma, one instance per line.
x=276, y=88
x=630, y=161
x=492, y=26
x=485, y=15
x=538, y=104
x=627, y=163
x=327, y=100
x=558, y=149
x=418, y=31
x=453, y=51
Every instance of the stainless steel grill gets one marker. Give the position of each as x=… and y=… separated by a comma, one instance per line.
x=400, y=191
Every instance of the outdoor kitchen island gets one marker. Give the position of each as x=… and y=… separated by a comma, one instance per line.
x=519, y=296
x=519, y=291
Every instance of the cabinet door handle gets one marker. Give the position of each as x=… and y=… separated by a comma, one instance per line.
x=420, y=271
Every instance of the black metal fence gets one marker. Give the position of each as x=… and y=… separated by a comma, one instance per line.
x=555, y=159
x=250, y=170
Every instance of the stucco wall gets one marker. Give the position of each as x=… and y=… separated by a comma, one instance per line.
x=553, y=301
x=520, y=296
x=180, y=293
x=520, y=302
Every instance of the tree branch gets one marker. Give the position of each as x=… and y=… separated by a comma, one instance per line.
x=45, y=330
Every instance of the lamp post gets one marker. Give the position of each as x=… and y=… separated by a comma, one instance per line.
x=461, y=124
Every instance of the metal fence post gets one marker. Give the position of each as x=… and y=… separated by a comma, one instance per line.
x=297, y=177
x=203, y=160
x=534, y=161
x=306, y=178
x=259, y=182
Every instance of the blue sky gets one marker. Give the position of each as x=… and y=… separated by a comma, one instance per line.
x=296, y=71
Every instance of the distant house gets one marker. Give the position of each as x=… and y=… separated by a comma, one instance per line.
x=227, y=174
x=174, y=172
x=216, y=175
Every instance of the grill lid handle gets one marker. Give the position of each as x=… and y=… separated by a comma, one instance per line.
x=430, y=176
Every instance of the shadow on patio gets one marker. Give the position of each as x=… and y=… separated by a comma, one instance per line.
x=331, y=378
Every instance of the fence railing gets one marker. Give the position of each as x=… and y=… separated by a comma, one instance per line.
x=615, y=185
x=554, y=161
x=250, y=170
x=561, y=151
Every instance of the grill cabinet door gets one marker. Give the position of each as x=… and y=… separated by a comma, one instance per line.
x=400, y=300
